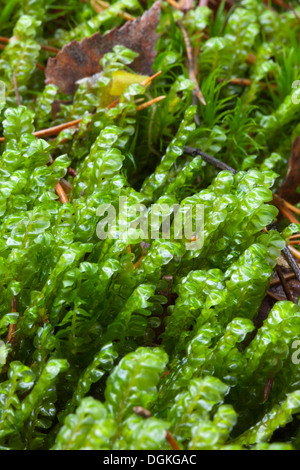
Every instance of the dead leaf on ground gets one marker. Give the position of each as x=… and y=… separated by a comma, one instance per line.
x=81, y=59
x=288, y=190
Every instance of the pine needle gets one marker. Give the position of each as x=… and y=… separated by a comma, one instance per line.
x=150, y=103
x=61, y=193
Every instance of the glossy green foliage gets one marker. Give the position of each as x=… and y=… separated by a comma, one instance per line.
x=112, y=343
x=113, y=424
x=19, y=59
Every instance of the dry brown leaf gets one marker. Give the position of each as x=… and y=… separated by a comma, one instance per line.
x=81, y=59
x=288, y=190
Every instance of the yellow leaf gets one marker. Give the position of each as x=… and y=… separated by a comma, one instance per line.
x=121, y=80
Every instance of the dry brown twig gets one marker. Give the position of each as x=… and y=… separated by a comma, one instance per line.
x=189, y=51
x=18, y=98
x=284, y=284
x=274, y=296
x=150, y=103
x=274, y=282
x=12, y=326
x=61, y=193
x=285, y=209
x=174, y=4
x=268, y=388
x=171, y=441
x=294, y=252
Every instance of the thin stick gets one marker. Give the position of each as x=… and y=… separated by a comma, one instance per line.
x=67, y=187
x=149, y=103
x=286, y=204
x=280, y=203
x=174, y=4
x=49, y=48
x=289, y=215
x=41, y=67
x=189, y=51
x=291, y=207
x=240, y=81
x=16, y=90
x=296, y=253
x=274, y=282
x=56, y=129
x=275, y=297
x=150, y=79
x=209, y=159
x=12, y=326
x=196, y=53
x=284, y=284
x=172, y=441
x=268, y=388
x=246, y=82
x=288, y=253
x=236, y=81
x=114, y=104
x=137, y=264
x=61, y=193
